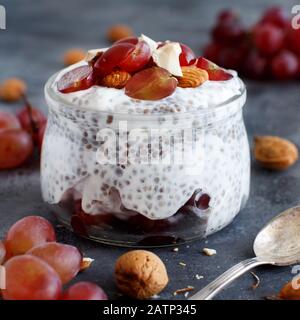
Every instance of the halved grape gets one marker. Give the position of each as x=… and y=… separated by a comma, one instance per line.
x=28, y=233
x=8, y=121
x=80, y=78
x=215, y=73
x=15, y=148
x=137, y=59
x=186, y=55
x=30, y=278
x=132, y=40
x=112, y=58
x=2, y=252
x=63, y=258
x=84, y=291
x=151, y=84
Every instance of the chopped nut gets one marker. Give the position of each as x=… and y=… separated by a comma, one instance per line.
x=73, y=56
x=182, y=264
x=117, y=79
x=199, y=277
x=12, y=89
x=274, y=152
x=183, y=290
x=140, y=274
x=175, y=249
x=192, y=77
x=86, y=263
x=209, y=252
x=118, y=32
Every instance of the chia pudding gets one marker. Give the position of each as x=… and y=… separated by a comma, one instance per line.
x=140, y=172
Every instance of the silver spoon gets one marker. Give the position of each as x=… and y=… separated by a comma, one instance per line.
x=278, y=243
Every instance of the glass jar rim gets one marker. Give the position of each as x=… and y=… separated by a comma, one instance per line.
x=215, y=113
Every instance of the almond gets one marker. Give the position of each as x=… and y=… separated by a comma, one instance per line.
x=274, y=152
x=192, y=77
x=73, y=56
x=117, y=79
x=118, y=32
x=12, y=89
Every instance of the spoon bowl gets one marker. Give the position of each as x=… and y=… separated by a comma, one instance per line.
x=279, y=241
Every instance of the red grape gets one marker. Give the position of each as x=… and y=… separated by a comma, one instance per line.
x=228, y=16
x=15, y=148
x=80, y=78
x=112, y=58
x=255, y=66
x=132, y=40
x=228, y=32
x=30, y=278
x=212, y=51
x=137, y=59
x=285, y=65
x=232, y=57
x=63, y=258
x=28, y=233
x=8, y=121
x=151, y=84
x=2, y=252
x=215, y=73
x=186, y=55
x=84, y=291
x=276, y=16
x=268, y=38
x=294, y=40
x=27, y=115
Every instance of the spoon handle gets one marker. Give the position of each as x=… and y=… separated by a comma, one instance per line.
x=208, y=292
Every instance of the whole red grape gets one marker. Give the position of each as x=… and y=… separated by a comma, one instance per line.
x=28, y=233
x=30, y=278
x=285, y=65
x=268, y=38
x=2, y=252
x=28, y=115
x=228, y=16
x=16, y=147
x=212, y=51
x=293, y=38
x=276, y=16
x=84, y=291
x=255, y=66
x=8, y=121
x=63, y=258
x=228, y=32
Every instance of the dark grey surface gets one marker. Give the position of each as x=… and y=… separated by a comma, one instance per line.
x=37, y=34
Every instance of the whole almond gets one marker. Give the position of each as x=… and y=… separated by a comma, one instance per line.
x=117, y=79
x=274, y=152
x=73, y=56
x=12, y=89
x=192, y=77
x=118, y=32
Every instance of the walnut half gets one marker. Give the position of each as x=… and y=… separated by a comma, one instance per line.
x=140, y=274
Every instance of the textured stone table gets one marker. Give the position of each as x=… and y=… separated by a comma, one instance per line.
x=37, y=34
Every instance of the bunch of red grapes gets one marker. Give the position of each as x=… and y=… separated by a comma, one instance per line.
x=268, y=50
x=19, y=134
x=37, y=267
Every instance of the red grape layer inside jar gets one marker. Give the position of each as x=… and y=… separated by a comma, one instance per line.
x=192, y=215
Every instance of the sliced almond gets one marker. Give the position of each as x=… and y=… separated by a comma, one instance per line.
x=274, y=152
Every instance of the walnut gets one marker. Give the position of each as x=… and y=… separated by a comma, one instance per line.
x=73, y=56
x=140, y=274
x=118, y=32
x=12, y=89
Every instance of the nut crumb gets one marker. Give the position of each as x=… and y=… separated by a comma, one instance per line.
x=86, y=263
x=182, y=264
x=183, y=290
x=209, y=252
x=175, y=249
x=198, y=277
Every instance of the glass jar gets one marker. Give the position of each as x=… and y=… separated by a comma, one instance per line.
x=145, y=179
